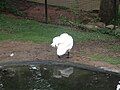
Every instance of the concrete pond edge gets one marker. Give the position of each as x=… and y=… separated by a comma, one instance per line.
x=61, y=63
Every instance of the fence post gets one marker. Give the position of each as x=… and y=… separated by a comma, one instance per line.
x=46, y=13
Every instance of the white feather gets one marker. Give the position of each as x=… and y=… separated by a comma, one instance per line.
x=12, y=54
x=64, y=43
x=55, y=41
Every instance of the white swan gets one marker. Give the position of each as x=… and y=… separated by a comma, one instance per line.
x=118, y=86
x=64, y=43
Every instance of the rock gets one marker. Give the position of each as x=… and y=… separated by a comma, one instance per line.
x=110, y=26
x=63, y=73
x=89, y=26
x=33, y=67
x=9, y=72
x=12, y=54
x=57, y=76
x=100, y=25
x=110, y=69
x=66, y=72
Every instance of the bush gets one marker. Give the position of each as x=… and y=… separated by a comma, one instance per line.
x=5, y=4
x=115, y=33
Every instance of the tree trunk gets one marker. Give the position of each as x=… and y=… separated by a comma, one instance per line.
x=108, y=10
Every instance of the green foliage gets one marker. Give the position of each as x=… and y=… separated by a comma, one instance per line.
x=3, y=5
x=109, y=59
x=66, y=21
x=6, y=6
x=115, y=48
x=115, y=33
x=16, y=11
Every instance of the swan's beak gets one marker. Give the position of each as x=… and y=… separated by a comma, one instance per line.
x=53, y=45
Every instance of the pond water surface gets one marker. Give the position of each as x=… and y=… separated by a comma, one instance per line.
x=55, y=77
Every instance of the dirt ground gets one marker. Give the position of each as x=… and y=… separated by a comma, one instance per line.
x=56, y=15
x=27, y=51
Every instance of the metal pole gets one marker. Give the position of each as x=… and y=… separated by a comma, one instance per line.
x=46, y=14
x=116, y=12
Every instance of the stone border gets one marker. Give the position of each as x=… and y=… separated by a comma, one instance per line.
x=62, y=63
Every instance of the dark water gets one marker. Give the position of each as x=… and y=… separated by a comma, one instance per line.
x=52, y=77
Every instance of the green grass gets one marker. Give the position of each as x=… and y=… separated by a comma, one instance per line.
x=108, y=59
x=29, y=30
x=115, y=48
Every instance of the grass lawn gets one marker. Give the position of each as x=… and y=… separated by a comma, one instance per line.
x=29, y=30
x=114, y=48
x=108, y=59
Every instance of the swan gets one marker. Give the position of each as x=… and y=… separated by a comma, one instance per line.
x=64, y=43
x=118, y=86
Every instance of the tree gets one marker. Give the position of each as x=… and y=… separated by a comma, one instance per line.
x=108, y=10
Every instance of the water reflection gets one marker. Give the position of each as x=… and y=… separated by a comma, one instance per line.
x=66, y=72
x=118, y=86
x=51, y=77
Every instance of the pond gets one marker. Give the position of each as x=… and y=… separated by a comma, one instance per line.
x=49, y=76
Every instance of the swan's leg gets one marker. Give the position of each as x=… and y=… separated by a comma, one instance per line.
x=59, y=56
x=68, y=55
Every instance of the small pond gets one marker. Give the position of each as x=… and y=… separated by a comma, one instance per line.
x=48, y=76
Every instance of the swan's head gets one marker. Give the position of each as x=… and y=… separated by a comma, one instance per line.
x=53, y=45
x=55, y=42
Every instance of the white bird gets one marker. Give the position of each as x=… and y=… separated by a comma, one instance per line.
x=118, y=86
x=64, y=43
